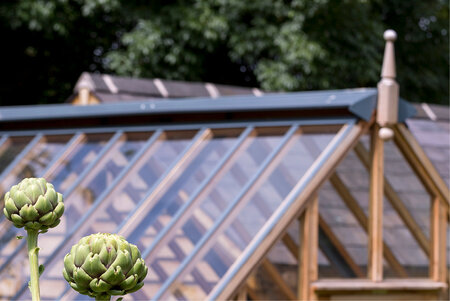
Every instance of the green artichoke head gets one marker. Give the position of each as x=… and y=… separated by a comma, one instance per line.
x=34, y=204
x=102, y=265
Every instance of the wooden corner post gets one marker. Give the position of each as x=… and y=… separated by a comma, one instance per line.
x=309, y=243
x=438, y=235
x=387, y=112
x=375, y=261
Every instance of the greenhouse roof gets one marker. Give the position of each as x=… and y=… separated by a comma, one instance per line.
x=201, y=195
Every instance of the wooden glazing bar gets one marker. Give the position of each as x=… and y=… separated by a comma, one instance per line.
x=59, y=158
x=98, y=204
x=309, y=243
x=231, y=211
x=438, y=235
x=397, y=203
x=375, y=222
x=360, y=216
x=291, y=207
x=420, y=163
x=165, y=181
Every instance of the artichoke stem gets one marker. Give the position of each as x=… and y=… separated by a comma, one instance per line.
x=32, y=238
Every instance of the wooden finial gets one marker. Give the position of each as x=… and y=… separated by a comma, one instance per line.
x=388, y=69
x=388, y=89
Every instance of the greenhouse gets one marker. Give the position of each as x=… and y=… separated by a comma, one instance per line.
x=246, y=197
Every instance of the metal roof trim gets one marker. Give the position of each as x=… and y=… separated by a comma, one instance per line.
x=331, y=99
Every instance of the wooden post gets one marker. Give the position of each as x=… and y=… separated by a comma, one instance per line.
x=438, y=229
x=309, y=232
x=375, y=262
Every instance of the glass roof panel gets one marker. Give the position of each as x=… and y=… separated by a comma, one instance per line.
x=192, y=200
x=138, y=180
x=165, y=256
x=36, y=160
x=76, y=161
x=66, y=172
x=10, y=149
x=203, y=272
x=79, y=199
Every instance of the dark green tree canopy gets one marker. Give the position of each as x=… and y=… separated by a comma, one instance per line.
x=277, y=45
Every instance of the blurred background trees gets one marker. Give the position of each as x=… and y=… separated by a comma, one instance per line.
x=277, y=45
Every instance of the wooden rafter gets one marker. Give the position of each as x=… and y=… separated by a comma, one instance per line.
x=396, y=203
x=361, y=217
x=420, y=163
x=301, y=200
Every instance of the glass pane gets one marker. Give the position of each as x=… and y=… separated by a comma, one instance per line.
x=125, y=196
x=166, y=205
x=77, y=160
x=341, y=200
x=36, y=161
x=66, y=173
x=77, y=204
x=10, y=149
x=416, y=201
x=257, y=208
x=233, y=177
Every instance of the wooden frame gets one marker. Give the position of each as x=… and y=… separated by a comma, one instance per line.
x=244, y=268
x=309, y=238
x=396, y=203
x=438, y=235
x=360, y=216
x=375, y=222
x=228, y=215
x=420, y=163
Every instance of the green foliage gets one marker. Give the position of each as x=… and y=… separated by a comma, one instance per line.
x=274, y=44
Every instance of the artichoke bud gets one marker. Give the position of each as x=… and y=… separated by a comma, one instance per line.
x=104, y=264
x=34, y=204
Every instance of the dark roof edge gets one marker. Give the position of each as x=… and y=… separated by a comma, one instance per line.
x=329, y=100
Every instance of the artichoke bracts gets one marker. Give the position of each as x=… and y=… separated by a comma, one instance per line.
x=103, y=264
x=34, y=204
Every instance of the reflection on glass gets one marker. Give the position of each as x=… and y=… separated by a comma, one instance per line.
x=222, y=191
x=36, y=161
x=417, y=201
x=227, y=246
x=128, y=192
x=10, y=149
x=81, y=199
x=77, y=160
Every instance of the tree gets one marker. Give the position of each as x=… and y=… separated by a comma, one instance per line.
x=274, y=44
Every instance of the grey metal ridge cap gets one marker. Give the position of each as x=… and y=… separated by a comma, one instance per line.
x=281, y=101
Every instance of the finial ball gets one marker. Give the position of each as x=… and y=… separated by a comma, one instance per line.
x=385, y=133
x=390, y=35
